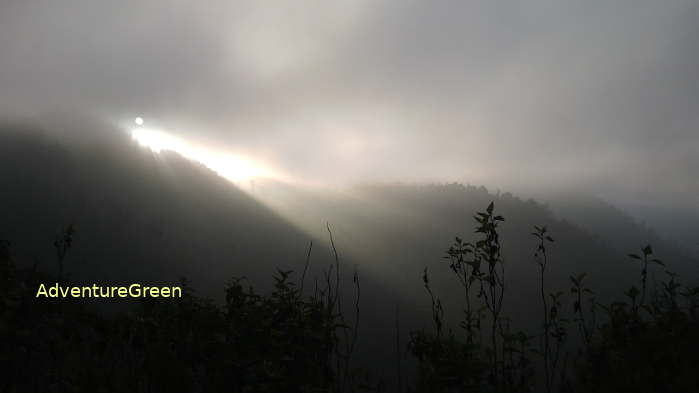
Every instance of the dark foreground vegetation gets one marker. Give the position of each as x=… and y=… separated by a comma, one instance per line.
x=300, y=336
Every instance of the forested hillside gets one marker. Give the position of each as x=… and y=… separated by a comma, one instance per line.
x=158, y=217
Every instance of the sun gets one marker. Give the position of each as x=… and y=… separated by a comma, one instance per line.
x=138, y=121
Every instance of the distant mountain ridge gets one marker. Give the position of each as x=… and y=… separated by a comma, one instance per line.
x=155, y=217
x=129, y=201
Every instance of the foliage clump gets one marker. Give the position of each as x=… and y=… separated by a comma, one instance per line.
x=290, y=341
x=647, y=343
x=283, y=341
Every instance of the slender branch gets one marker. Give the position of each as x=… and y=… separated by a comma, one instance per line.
x=305, y=268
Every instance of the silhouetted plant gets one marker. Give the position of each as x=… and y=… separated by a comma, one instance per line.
x=581, y=294
x=658, y=351
x=647, y=252
x=468, y=273
x=627, y=352
x=554, y=325
x=62, y=244
x=288, y=341
x=488, y=250
x=279, y=342
x=501, y=366
x=542, y=260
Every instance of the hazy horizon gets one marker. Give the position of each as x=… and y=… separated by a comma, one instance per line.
x=538, y=98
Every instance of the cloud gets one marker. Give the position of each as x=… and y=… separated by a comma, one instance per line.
x=594, y=95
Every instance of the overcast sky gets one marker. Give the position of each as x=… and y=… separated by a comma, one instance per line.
x=518, y=95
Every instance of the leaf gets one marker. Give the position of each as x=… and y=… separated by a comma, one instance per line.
x=634, y=256
x=647, y=250
x=490, y=208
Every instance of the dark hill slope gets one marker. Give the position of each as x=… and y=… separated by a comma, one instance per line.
x=138, y=215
